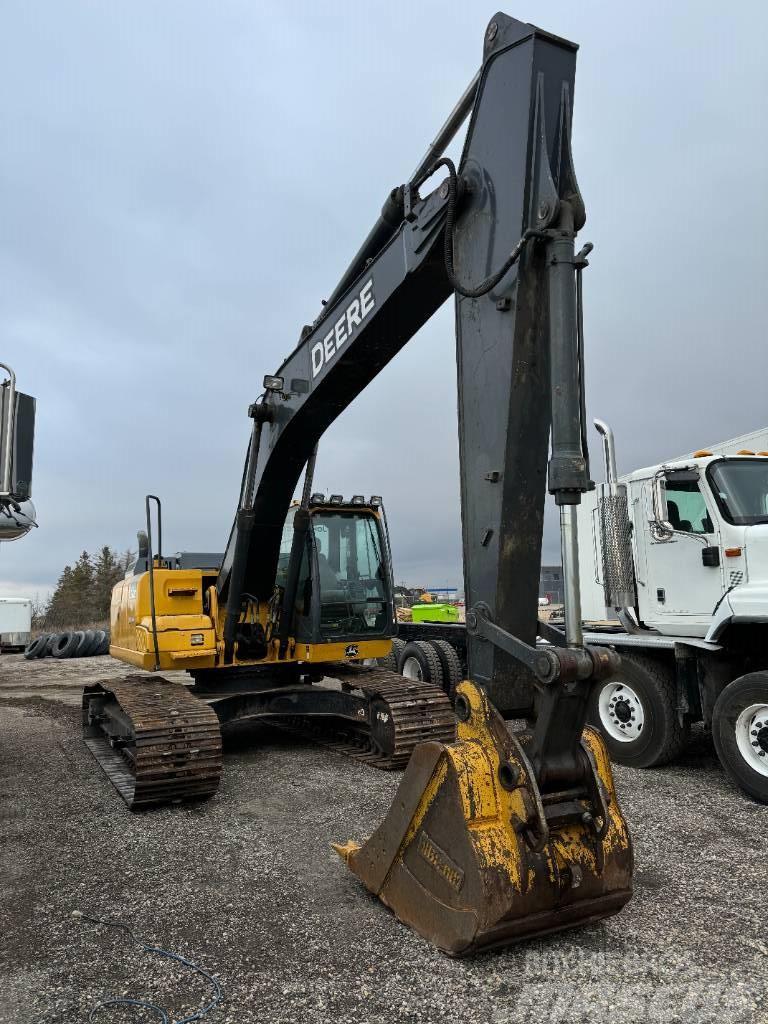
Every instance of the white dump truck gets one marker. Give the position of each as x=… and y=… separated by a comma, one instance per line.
x=15, y=623
x=674, y=576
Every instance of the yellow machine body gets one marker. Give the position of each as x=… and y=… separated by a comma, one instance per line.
x=187, y=637
x=188, y=624
x=466, y=855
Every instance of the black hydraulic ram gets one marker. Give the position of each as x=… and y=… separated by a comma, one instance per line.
x=242, y=529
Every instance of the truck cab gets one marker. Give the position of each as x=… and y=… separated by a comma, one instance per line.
x=674, y=561
x=700, y=541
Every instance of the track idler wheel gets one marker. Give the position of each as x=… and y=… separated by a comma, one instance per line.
x=470, y=856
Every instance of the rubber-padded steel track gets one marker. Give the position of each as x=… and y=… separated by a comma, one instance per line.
x=156, y=742
x=404, y=713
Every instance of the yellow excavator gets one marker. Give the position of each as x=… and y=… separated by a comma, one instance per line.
x=494, y=835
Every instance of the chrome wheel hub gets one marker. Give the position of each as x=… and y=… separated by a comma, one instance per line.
x=752, y=737
x=621, y=712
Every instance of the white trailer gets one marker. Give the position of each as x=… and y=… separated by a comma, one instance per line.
x=674, y=576
x=15, y=623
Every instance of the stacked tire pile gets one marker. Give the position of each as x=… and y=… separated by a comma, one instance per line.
x=76, y=644
x=432, y=661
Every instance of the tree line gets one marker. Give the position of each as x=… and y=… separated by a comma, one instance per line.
x=84, y=590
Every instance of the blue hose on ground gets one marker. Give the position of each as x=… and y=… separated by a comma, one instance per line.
x=158, y=1011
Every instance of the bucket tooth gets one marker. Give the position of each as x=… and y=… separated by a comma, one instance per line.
x=467, y=855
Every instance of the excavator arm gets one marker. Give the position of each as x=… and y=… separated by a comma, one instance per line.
x=514, y=193
x=497, y=836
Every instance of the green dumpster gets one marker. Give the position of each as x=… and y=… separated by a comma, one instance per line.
x=435, y=613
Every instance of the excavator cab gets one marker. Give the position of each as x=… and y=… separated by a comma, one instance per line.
x=344, y=585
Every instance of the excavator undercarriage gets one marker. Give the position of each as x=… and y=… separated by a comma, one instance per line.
x=160, y=742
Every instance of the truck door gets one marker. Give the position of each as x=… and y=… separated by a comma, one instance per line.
x=682, y=590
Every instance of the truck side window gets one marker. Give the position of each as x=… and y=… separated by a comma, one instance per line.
x=686, y=507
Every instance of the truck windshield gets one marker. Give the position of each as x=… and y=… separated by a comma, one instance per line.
x=741, y=489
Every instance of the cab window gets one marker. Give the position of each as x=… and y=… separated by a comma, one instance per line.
x=352, y=575
x=284, y=557
x=686, y=509
x=740, y=487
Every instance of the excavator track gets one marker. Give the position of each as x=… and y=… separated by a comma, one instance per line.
x=405, y=712
x=156, y=742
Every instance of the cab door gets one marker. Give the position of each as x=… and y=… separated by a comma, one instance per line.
x=683, y=584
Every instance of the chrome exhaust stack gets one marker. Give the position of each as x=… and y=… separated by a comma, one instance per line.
x=618, y=571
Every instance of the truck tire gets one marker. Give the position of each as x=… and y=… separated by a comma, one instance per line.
x=65, y=645
x=101, y=643
x=637, y=713
x=38, y=647
x=419, y=660
x=392, y=660
x=52, y=638
x=450, y=664
x=80, y=634
x=87, y=644
x=740, y=732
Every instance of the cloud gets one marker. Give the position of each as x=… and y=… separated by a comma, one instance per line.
x=181, y=184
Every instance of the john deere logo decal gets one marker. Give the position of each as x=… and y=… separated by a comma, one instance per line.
x=351, y=651
x=440, y=861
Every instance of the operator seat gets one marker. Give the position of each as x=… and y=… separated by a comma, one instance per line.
x=328, y=578
x=683, y=525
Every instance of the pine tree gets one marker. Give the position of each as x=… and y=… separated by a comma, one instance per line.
x=83, y=592
x=127, y=559
x=61, y=601
x=107, y=570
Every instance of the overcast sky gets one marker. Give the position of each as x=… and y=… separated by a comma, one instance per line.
x=182, y=182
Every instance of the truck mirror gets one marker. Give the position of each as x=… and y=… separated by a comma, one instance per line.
x=660, y=510
x=17, y=427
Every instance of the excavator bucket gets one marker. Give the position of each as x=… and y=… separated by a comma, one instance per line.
x=471, y=855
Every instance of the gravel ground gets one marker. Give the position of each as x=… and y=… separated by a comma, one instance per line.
x=248, y=887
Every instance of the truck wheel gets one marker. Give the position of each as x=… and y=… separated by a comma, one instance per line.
x=392, y=659
x=450, y=664
x=52, y=638
x=419, y=660
x=37, y=648
x=66, y=645
x=740, y=732
x=637, y=713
